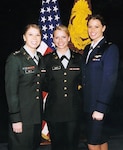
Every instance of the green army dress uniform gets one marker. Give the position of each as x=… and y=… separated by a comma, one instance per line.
x=23, y=80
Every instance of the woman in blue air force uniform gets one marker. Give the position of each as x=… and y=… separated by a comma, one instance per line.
x=63, y=103
x=99, y=78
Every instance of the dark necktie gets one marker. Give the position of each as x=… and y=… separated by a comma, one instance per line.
x=36, y=60
x=64, y=57
x=64, y=61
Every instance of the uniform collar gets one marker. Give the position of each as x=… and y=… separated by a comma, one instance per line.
x=94, y=45
x=29, y=52
x=67, y=54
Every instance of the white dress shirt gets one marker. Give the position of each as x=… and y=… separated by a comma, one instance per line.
x=64, y=61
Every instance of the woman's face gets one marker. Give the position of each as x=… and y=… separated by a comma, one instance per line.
x=32, y=38
x=61, y=39
x=95, y=29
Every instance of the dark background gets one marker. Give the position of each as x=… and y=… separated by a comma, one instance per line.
x=16, y=14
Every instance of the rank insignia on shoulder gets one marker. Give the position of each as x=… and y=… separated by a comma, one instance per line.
x=16, y=52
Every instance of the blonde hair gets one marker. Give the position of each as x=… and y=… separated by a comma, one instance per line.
x=62, y=28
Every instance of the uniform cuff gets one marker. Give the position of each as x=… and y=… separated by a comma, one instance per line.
x=15, y=117
x=101, y=107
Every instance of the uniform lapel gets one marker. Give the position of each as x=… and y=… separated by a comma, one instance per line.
x=86, y=52
x=96, y=49
x=56, y=59
x=28, y=57
x=92, y=54
x=73, y=59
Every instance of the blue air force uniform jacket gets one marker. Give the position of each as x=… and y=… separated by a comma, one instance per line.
x=23, y=79
x=100, y=76
x=63, y=102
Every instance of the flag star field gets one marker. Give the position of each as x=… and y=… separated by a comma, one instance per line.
x=48, y=20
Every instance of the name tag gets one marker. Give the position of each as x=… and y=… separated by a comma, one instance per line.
x=43, y=70
x=95, y=59
x=56, y=67
x=29, y=69
x=74, y=68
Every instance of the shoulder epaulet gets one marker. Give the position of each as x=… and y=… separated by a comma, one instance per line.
x=16, y=52
x=109, y=43
x=104, y=47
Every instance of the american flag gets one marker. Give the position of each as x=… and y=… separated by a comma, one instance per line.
x=48, y=20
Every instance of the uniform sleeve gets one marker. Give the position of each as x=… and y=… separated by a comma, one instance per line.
x=109, y=78
x=11, y=86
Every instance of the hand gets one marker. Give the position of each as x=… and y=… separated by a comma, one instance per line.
x=97, y=115
x=17, y=127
